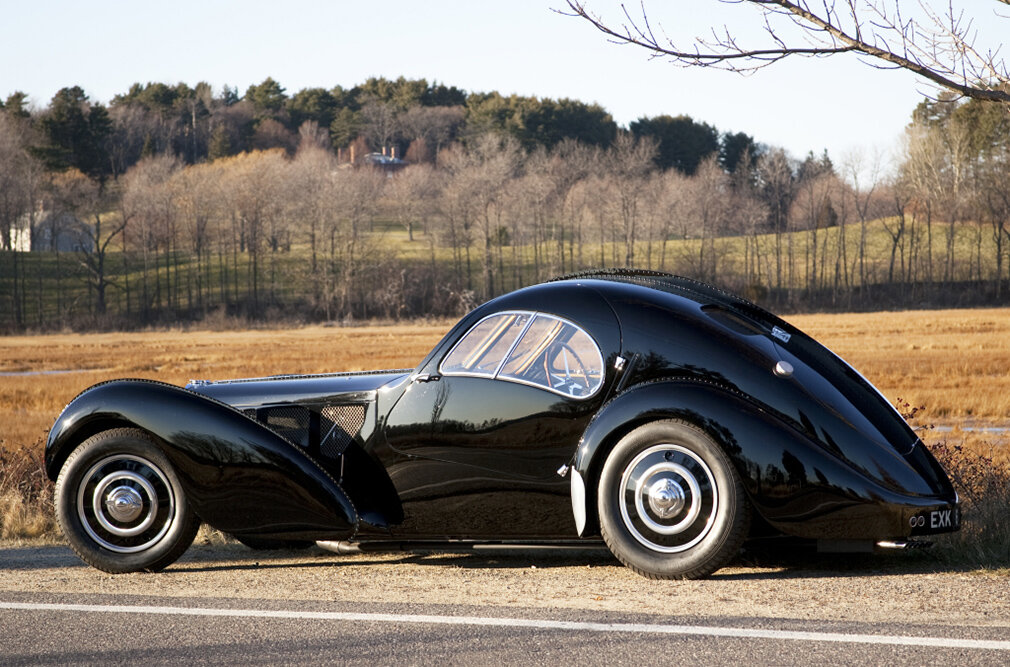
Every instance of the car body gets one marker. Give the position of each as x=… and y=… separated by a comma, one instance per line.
x=668, y=417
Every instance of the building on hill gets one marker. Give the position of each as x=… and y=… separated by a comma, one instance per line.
x=57, y=232
x=387, y=163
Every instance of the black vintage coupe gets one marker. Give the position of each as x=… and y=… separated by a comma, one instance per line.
x=665, y=416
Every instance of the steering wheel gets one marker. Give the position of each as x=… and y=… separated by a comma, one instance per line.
x=567, y=355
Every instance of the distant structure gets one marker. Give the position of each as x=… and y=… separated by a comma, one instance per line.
x=388, y=163
x=385, y=160
x=57, y=232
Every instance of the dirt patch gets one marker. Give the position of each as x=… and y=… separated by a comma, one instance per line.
x=870, y=589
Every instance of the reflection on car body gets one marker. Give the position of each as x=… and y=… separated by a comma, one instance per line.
x=663, y=416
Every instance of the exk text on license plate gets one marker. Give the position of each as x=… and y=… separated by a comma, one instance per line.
x=940, y=520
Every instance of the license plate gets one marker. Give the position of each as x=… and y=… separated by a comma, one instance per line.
x=940, y=520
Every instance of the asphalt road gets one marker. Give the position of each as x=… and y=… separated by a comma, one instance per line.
x=223, y=604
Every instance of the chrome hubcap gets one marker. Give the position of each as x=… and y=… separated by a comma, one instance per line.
x=125, y=503
x=668, y=498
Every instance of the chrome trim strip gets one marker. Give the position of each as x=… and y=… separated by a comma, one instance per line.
x=512, y=347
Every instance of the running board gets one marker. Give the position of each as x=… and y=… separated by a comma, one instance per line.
x=461, y=546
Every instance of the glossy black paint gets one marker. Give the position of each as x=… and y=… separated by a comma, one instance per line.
x=427, y=456
x=797, y=486
x=484, y=452
x=239, y=476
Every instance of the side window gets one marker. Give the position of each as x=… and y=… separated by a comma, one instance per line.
x=556, y=355
x=550, y=353
x=483, y=348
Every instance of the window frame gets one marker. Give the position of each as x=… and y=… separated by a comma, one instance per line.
x=496, y=375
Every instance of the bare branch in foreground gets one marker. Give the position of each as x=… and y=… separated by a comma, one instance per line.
x=939, y=46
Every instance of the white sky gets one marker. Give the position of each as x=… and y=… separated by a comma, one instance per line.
x=515, y=46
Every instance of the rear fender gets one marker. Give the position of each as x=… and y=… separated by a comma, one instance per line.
x=793, y=483
x=239, y=476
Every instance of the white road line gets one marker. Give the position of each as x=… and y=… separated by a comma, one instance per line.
x=536, y=624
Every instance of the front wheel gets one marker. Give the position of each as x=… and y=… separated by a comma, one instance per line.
x=120, y=504
x=670, y=504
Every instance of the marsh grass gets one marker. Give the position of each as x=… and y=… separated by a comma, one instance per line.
x=26, y=506
x=980, y=472
x=984, y=489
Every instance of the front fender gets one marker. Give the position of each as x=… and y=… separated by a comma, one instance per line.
x=793, y=482
x=240, y=477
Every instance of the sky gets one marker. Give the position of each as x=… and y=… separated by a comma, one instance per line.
x=837, y=104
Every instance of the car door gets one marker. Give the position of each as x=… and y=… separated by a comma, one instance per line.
x=486, y=427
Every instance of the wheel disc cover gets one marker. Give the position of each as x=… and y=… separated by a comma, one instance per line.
x=668, y=498
x=125, y=504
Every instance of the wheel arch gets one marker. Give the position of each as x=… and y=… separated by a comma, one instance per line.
x=639, y=405
x=745, y=432
x=70, y=437
x=240, y=476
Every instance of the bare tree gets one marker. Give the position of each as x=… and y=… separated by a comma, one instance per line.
x=937, y=167
x=253, y=181
x=380, y=124
x=494, y=163
x=21, y=177
x=707, y=214
x=476, y=191
x=310, y=135
x=995, y=203
x=457, y=211
x=434, y=126
x=196, y=195
x=411, y=192
x=629, y=162
x=864, y=180
x=937, y=44
x=147, y=202
x=670, y=209
x=313, y=207
x=413, y=195
x=573, y=163
x=813, y=211
x=271, y=133
x=78, y=195
x=352, y=248
x=777, y=191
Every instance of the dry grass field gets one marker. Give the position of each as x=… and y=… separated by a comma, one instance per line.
x=39, y=375
x=956, y=363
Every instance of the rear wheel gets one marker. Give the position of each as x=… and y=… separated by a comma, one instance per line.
x=120, y=504
x=671, y=506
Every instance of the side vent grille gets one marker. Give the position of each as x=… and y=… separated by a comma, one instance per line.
x=338, y=426
x=290, y=422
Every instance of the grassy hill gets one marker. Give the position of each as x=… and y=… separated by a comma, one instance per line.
x=396, y=278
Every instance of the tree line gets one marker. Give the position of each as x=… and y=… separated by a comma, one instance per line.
x=412, y=118
x=301, y=232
